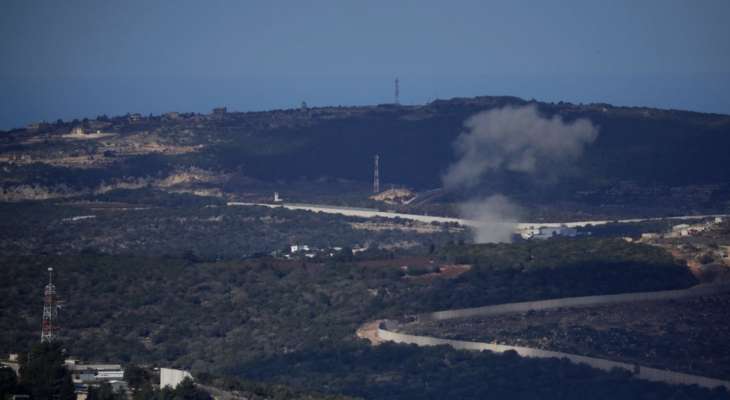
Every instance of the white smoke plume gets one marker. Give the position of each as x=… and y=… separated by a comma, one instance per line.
x=515, y=139
x=496, y=218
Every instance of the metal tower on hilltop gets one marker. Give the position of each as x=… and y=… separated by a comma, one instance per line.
x=50, y=310
x=376, y=175
x=397, y=91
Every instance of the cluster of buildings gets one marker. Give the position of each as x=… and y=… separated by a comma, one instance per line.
x=684, y=230
x=306, y=251
x=692, y=229
x=86, y=375
x=92, y=375
x=547, y=232
x=89, y=375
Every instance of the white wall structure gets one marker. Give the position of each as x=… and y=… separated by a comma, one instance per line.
x=577, y=302
x=519, y=227
x=387, y=332
x=641, y=372
x=172, y=377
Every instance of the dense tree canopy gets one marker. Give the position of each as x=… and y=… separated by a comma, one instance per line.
x=43, y=373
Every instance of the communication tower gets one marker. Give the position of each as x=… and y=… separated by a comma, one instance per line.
x=397, y=91
x=376, y=175
x=50, y=310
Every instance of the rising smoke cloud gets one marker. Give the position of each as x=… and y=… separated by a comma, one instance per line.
x=516, y=139
x=496, y=218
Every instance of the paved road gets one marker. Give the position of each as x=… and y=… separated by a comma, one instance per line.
x=370, y=213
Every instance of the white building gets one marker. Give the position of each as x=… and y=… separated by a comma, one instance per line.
x=90, y=373
x=172, y=377
x=548, y=232
x=297, y=248
x=528, y=233
x=113, y=374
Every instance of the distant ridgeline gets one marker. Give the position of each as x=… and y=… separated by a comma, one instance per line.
x=415, y=144
x=640, y=153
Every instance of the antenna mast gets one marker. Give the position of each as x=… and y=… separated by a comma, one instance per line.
x=397, y=91
x=376, y=175
x=50, y=310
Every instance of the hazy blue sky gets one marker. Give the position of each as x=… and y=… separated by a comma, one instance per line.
x=66, y=59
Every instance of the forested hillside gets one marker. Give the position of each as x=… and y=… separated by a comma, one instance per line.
x=248, y=319
x=233, y=152
x=172, y=310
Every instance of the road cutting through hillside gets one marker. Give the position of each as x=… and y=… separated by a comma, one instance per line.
x=379, y=331
x=373, y=213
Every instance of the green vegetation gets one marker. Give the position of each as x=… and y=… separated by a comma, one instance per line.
x=204, y=308
x=105, y=392
x=83, y=178
x=159, y=278
x=558, y=268
x=622, y=172
x=264, y=391
x=158, y=224
x=227, y=317
x=140, y=381
x=408, y=372
x=186, y=390
x=684, y=335
x=147, y=309
x=8, y=383
x=42, y=375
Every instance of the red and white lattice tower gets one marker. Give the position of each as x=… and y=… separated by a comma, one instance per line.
x=50, y=310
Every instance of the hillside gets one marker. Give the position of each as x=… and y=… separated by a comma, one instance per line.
x=294, y=322
x=646, y=333
x=326, y=154
x=148, y=309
